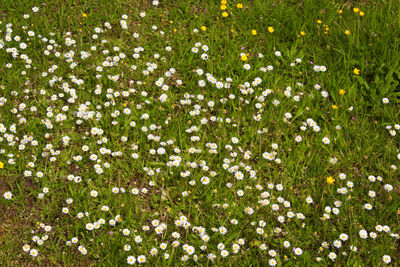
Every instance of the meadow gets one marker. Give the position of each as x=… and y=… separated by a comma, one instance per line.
x=199, y=133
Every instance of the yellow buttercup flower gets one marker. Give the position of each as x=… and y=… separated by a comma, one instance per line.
x=244, y=57
x=303, y=33
x=334, y=106
x=356, y=10
x=362, y=13
x=239, y=5
x=356, y=71
x=271, y=29
x=342, y=92
x=223, y=7
x=347, y=32
x=253, y=32
x=84, y=15
x=203, y=28
x=340, y=11
x=1, y=165
x=224, y=14
x=330, y=180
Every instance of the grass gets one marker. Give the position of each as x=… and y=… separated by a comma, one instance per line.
x=217, y=168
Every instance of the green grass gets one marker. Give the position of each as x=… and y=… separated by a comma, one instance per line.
x=352, y=115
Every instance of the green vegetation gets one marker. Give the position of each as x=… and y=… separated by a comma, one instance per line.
x=199, y=133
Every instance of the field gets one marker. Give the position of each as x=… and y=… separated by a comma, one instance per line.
x=199, y=133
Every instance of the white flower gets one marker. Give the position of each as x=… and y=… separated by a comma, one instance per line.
x=26, y=248
x=141, y=259
x=131, y=260
x=332, y=255
x=343, y=237
x=326, y=140
x=7, y=195
x=33, y=252
x=89, y=226
x=386, y=259
x=388, y=187
x=224, y=253
x=298, y=251
x=363, y=234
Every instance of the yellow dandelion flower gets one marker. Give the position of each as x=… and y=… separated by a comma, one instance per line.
x=239, y=5
x=84, y=15
x=303, y=33
x=334, y=106
x=319, y=21
x=1, y=165
x=340, y=11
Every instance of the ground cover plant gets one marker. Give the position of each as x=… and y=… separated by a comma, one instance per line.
x=163, y=133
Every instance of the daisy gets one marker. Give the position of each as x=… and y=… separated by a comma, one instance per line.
x=363, y=234
x=131, y=260
x=386, y=259
x=33, y=252
x=26, y=248
x=141, y=259
x=7, y=195
x=332, y=255
x=326, y=140
x=298, y=251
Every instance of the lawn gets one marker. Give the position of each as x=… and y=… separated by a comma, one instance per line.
x=226, y=133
